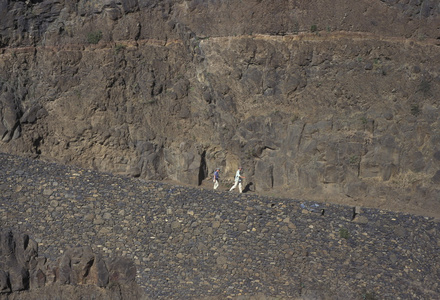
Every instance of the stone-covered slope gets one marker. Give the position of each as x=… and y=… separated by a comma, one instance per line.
x=334, y=101
x=192, y=243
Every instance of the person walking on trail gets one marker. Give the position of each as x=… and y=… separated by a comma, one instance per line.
x=237, y=180
x=216, y=178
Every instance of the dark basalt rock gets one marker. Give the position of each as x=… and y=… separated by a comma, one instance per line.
x=22, y=270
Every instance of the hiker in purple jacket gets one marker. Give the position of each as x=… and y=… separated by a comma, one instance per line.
x=216, y=178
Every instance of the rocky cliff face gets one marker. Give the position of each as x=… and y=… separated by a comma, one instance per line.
x=333, y=100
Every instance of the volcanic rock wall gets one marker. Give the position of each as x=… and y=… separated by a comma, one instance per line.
x=333, y=100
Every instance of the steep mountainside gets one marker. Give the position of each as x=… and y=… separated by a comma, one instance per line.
x=330, y=100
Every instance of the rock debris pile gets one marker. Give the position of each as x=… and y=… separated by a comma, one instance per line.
x=194, y=243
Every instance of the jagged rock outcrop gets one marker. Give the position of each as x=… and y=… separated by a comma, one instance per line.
x=332, y=100
x=17, y=254
x=79, y=271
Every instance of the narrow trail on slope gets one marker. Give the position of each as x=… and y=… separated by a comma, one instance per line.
x=300, y=37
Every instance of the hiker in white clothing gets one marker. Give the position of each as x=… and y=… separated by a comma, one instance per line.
x=237, y=180
x=216, y=178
